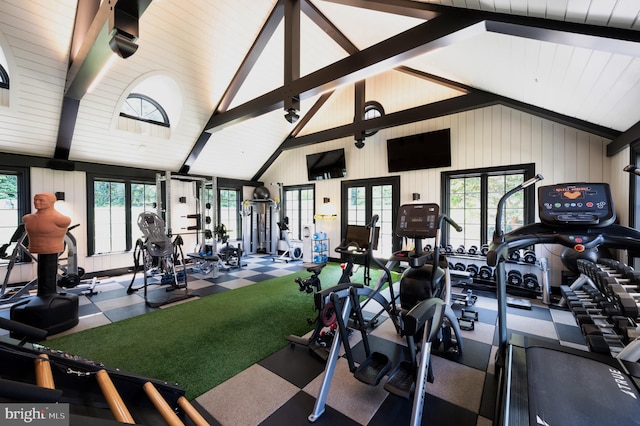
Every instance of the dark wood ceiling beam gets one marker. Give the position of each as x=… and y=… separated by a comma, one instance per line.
x=411, y=115
x=576, y=123
x=408, y=8
x=328, y=27
x=90, y=52
x=358, y=108
x=291, y=52
x=608, y=39
x=439, y=32
x=298, y=127
x=623, y=140
x=265, y=34
x=435, y=79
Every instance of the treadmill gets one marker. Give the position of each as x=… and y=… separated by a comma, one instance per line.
x=541, y=383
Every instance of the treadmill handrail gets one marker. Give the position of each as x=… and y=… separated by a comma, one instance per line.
x=612, y=236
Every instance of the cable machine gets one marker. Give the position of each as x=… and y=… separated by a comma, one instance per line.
x=260, y=217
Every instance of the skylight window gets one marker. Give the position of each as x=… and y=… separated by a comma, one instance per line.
x=143, y=108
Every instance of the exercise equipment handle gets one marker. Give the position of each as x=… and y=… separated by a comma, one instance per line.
x=32, y=334
x=632, y=169
x=498, y=233
x=445, y=218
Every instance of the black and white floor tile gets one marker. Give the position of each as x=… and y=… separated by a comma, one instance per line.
x=282, y=388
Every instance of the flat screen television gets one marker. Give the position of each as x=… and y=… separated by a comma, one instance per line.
x=416, y=152
x=327, y=165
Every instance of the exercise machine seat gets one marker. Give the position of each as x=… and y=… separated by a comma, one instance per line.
x=418, y=284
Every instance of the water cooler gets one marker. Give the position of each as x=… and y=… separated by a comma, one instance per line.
x=307, y=241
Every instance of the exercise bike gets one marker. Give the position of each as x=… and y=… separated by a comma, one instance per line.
x=423, y=317
x=358, y=241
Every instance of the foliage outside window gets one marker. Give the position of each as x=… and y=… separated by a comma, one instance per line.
x=9, y=212
x=115, y=207
x=143, y=108
x=229, y=212
x=143, y=199
x=364, y=198
x=299, y=208
x=472, y=198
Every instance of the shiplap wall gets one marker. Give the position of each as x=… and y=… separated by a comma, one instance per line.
x=487, y=137
x=493, y=136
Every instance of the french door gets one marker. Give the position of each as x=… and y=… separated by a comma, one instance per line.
x=361, y=199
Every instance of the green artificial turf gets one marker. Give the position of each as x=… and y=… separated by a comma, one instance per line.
x=202, y=343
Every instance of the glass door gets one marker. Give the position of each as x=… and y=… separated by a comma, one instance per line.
x=363, y=198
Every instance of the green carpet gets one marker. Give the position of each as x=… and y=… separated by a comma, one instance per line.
x=204, y=342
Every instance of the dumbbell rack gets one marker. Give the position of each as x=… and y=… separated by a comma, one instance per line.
x=603, y=300
x=527, y=278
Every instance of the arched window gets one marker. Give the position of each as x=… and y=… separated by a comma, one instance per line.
x=4, y=78
x=143, y=108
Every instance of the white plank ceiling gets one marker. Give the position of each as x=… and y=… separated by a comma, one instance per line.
x=196, y=48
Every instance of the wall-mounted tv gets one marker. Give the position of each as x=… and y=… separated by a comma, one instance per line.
x=327, y=165
x=416, y=152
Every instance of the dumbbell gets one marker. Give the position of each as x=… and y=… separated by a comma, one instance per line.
x=473, y=250
x=593, y=303
x=460, y=249
x=448, y=249
x=428, y=247
x=514, y=278
x=514, y=255
x=530, y=281
x=529, y=256
x=459, y=266
x=484, y=250
x=485, y=272
x=473, y=270
x=627, y=302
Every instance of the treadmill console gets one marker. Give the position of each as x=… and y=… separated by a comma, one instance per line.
x=576, y=204
x=418, y=221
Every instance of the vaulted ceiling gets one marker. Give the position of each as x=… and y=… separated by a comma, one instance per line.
x=240, y=65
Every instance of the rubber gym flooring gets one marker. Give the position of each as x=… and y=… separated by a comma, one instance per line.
x=282, y=388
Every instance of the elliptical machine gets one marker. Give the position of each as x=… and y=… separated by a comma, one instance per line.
x=428, y=275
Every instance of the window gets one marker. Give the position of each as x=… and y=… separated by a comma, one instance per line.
x=14, y=203
x=471, y=198
x=143, y=108
x=229, y=212
x=4, y=78
x=299, y=207
x=143, y=199
x=114, y=207
x=362, y=199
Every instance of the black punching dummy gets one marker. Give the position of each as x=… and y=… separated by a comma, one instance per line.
x=47, y=310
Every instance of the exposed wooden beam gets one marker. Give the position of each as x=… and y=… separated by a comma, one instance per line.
x=623, y=140
x=409, y=8
x=328, y=27
x=439, y=32
x=90, y=51
x=411, y=115
x=298, y=127
x=265, y=34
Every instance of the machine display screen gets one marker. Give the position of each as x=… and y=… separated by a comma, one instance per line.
x=576, y=204
x=418, y=220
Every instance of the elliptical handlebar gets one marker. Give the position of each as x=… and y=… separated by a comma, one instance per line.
x=498, y=233
x=445, y=218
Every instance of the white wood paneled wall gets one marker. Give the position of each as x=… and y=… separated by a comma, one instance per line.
x=487, y=137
